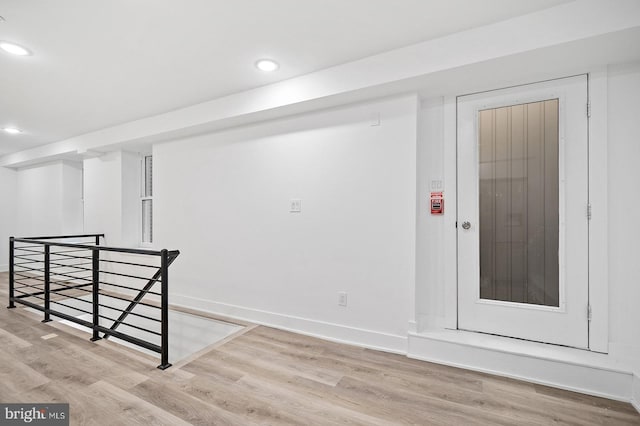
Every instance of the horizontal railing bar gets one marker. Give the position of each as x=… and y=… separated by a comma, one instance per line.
x=27, y=277
x=59, y=274
x=81, y=263
x=58, y=237
x=26, y=263
x=39, y=286
x=132, y=313
x=128, y=300
x=76, y=287
x=74, y=265
x=131, y=276
x=26, y=249
x=71, y=307
x=59, y=253
x=130, y=263
x=72, y=256
x=53, y=282
x=130, y=288
x=100, y=248
x=71, y=297
x=131, y=325
x=22, y=292
x=25, y=286
x=27, y=269
x=60, y=266
x=29, y=295
x=23, y=247
x=23, y=257
x=30, y=286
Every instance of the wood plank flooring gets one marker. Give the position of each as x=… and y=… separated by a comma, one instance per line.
x=268, y=376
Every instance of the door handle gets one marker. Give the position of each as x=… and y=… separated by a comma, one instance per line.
x=466, y=225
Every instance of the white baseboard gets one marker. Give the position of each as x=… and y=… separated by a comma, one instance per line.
x=564, y=368
x=4, y=267
x=324, y=330
x=635, y=394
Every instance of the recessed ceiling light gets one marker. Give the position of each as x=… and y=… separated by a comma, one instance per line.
x=12, y=130
x=267, y=65
x=14, y=49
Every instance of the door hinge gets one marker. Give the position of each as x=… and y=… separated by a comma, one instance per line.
x=589, y=312
x=589, y=109
x=589, y=211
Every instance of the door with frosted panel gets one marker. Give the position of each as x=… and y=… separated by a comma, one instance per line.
x=522, y=224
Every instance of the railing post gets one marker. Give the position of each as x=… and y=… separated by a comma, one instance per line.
x=47, y=283
x=11, y=276
x=97, y=240
x=96, y=292
x=164, y=305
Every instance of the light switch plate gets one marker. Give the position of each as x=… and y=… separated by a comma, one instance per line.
x=295, y=206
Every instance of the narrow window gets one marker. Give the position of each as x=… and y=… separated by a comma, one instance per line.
x=147, y=199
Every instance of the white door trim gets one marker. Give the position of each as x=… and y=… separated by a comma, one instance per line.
x=598, y=260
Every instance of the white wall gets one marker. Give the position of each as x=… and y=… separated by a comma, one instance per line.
x=223, y=201
x=430, y=228
x=49, y=199
x=111, y=197
x=102, y=196
x=72, y=204
x=8, y=198
x=39, y=204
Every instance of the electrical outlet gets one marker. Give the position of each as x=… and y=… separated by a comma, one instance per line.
x=342, y=298
x=295, y=206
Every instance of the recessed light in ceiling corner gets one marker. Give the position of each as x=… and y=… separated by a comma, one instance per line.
x=14, y=49
x=267, y=65
x=12, y=130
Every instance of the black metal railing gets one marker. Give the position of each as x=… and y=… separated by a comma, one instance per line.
x=86, y=283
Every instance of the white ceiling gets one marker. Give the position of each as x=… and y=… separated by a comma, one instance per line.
x=101, y=63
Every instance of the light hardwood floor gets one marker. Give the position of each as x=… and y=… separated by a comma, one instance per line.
x=268, y=376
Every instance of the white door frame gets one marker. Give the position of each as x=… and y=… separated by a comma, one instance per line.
x=598, y=239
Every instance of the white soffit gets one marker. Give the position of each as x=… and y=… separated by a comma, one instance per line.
x=97, y=64
x=604, y=33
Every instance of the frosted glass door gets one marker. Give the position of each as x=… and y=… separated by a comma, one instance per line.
x=522, y=212
x=518, y=167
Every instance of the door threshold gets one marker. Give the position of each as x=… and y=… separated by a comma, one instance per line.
x=522, y=347
x=557, y=366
